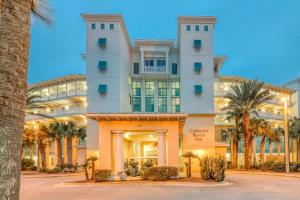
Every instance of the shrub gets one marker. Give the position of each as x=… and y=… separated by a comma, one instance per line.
x=219, y=171
x=278, y=166
x=161, y=173
x=213, y=168
x=230, y=165
x=27, y=164
x=103, y=175
x=206, y=165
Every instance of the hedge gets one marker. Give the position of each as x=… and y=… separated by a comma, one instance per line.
x=103, y=175
x=161, y=173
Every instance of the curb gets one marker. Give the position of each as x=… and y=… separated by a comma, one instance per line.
x=265, y=173
x=145, y=183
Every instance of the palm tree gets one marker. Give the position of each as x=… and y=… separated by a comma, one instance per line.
x=57, y=132
x=279, y=131
x=72, y=131
x=14, y=52
x=233, y=134
x=42, y=136
x=189, y=155
x=28, y=140
x=294, y=132
x=261, y=127
x=244, y=99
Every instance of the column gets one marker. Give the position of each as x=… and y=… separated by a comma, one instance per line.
x=119, y=161
x=162, y=148
x=167, y=61
x=142, y=62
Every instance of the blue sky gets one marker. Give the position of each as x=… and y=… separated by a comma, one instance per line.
x=260, y=37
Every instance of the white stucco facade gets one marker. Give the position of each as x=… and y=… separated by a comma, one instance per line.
x=153, y=81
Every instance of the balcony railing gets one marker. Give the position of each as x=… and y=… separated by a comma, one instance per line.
x=59, y=112
x=155, y=69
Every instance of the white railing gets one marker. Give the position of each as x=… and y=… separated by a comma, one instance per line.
x=155, y=69
x=58, y=113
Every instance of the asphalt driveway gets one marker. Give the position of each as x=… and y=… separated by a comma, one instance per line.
x=243, y=187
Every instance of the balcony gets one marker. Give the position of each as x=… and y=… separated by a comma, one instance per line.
x=155, y=69
x=58, y=113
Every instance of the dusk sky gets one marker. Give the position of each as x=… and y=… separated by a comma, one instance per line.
x=261, y=38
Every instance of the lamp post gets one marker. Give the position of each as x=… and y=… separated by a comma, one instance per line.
x=286, y=137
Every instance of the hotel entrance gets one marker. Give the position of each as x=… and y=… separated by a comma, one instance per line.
x=140, y=147
x=141, y=138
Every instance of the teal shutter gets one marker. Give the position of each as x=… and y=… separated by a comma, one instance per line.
x=197, y=44
x=102, y=89
x=102, y=65
x=198, y=89
x=197, y=66
x=102, y=42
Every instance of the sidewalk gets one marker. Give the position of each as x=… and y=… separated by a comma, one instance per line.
x=257, y=172
x=34, y=174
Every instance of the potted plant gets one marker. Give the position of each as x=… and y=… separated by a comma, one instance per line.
x=122, y=175
x=133, y=168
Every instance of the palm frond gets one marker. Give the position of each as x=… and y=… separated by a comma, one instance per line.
x=42, y=10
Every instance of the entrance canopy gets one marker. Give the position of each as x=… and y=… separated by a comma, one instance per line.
x=138, y=116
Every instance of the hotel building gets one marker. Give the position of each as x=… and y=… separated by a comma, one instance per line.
x=156, y=99
x=152, y=99
x=62, y=99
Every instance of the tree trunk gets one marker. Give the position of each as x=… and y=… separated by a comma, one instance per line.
x=236, y=153
x=247, y=157
x=251, y=148
x=14, y=51
x=278, y=149
x=69, y=149
x=31, y=150
x=271, y=148
x=86, y=173
x=298, y=150
x=262, y=150
x=43, y=155
x=60, y=161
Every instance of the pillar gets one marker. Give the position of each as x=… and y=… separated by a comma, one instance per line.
x=119, y=161
x=162, y=148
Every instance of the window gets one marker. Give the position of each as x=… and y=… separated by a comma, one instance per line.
x=53, y=92
x=174, y=69
x=175, y=104
x=136, y=99
x=136, y=88
x=162, y=88
x=162, y=96
x=149, y=62
x=162, y=104
x=188, y=28
x=111, y=26
x=175, y=89
x=160, y=62
x=197, y=66
x=136, y=104
x=102, y=65
x=71, y=88
x=198, y=89
x=206, y=28
x=197, y=44
x=149, y=91
x=102, y=89
x=102, y=26
x=93, y=26
x=102, y=42
x=136, y=68
x=149, y=102
x=197, y=28
x=62, y=90
x=81, y=87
